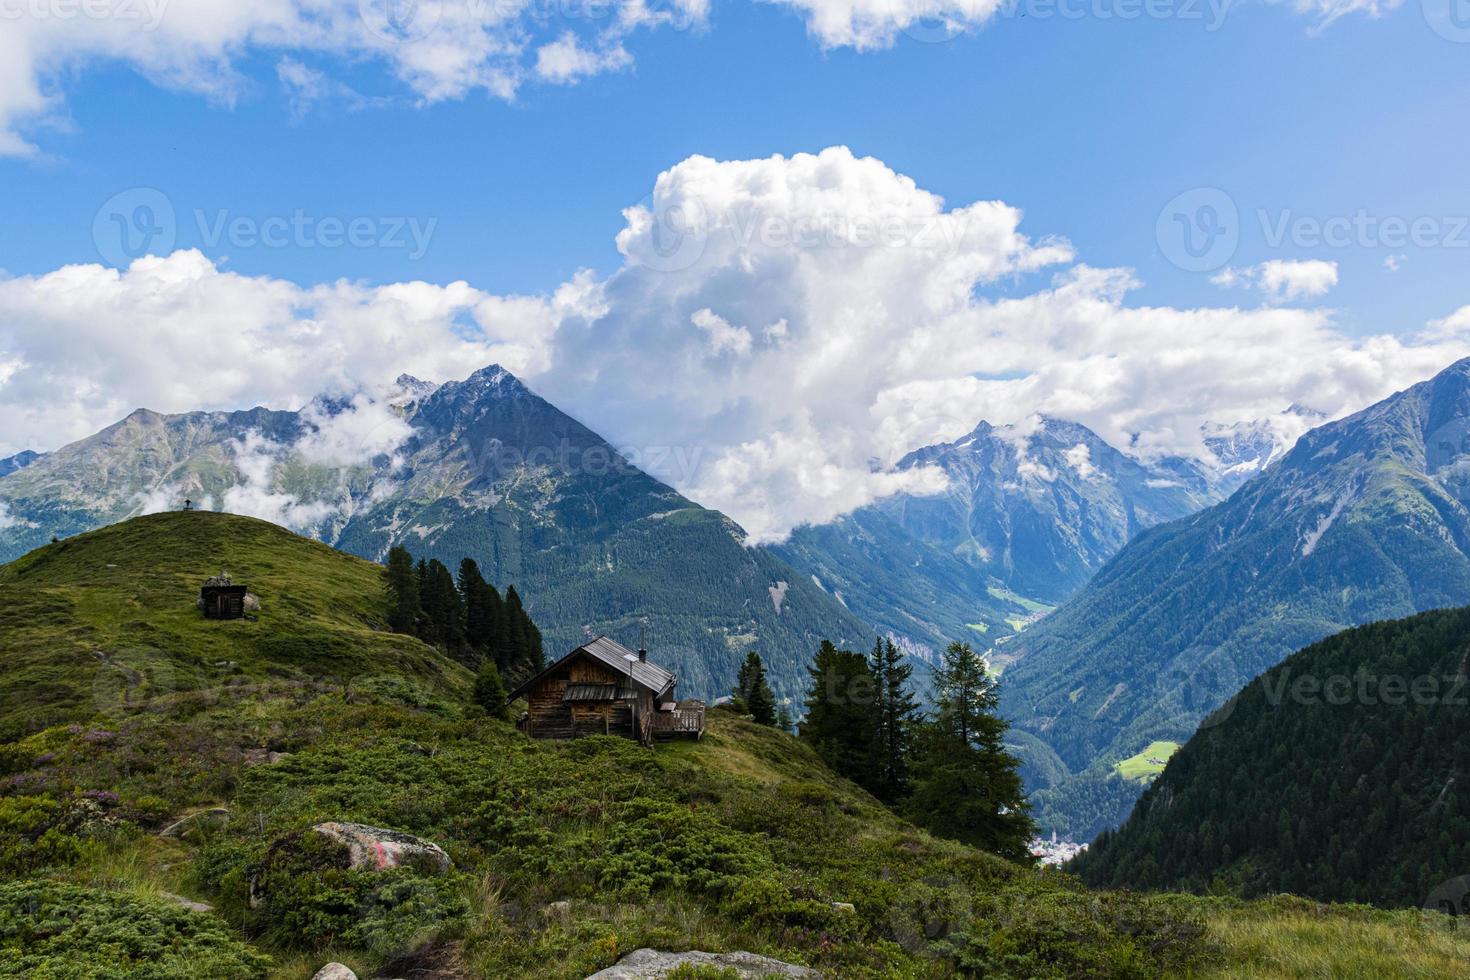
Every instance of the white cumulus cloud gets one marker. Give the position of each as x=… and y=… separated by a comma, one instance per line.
x=436, y=49
x=789, y=327
x=96, y=343
x=257, y=494
x=1283, y=280
x=565, y=61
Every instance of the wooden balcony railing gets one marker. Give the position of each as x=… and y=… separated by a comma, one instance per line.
x=685, y=721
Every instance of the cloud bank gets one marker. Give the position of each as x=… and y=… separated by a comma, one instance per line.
x=796, y=324
x=435, y=49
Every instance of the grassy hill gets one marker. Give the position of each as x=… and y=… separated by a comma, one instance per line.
x=109, y=618
x=565, y=856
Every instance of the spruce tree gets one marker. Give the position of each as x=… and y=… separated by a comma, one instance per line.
x=404, y=610
x=966, y=785
x=490, y=690
x=839, y=723
x=753, y=694
x=442, y=609
x=496, y=614
x=520, y=636
x=473, y=591
x=896, y=713
x=538, y=652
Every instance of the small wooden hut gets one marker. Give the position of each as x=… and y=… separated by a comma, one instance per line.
x=220, y=598
x=603, y=688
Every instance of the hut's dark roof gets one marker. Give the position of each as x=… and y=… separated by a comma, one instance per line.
x=613, y=655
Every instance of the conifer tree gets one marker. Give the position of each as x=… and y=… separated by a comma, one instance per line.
x=404, y=610
x=490, y=690
x=753, y=693
x=499, y=645
x=895, y=715
x=442, y=608
x=839, y=712
x=966, y=785
x=520, y=636
x=538, y=653
x=473, y=591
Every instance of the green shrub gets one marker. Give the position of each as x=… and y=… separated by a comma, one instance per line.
x=301, y=895
x=1065, y=934
x=52, y=931
x=35, y=832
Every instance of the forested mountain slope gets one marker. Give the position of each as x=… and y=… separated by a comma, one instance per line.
x=1342, y=773
x=1364, y=519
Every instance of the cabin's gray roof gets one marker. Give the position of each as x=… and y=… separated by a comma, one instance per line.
x=613, y=655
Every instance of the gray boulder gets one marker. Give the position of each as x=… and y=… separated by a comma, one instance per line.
x=650, y=964
x=378, y=849
x=334, y=971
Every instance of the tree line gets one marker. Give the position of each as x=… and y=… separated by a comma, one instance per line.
x=947, y=770
x=467, y=618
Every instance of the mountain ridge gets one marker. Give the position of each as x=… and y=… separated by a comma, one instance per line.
x=481, y=467
x=1365, y=518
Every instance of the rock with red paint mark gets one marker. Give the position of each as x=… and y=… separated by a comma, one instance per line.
x=378, y=849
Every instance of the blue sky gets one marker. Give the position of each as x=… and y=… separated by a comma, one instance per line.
x=1114, y=137
x=1090, y=126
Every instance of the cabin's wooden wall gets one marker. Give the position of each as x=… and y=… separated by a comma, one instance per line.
x=548, y=716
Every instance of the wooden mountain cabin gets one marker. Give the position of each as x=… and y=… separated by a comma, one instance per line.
x=220, y=598
x=603, y=688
